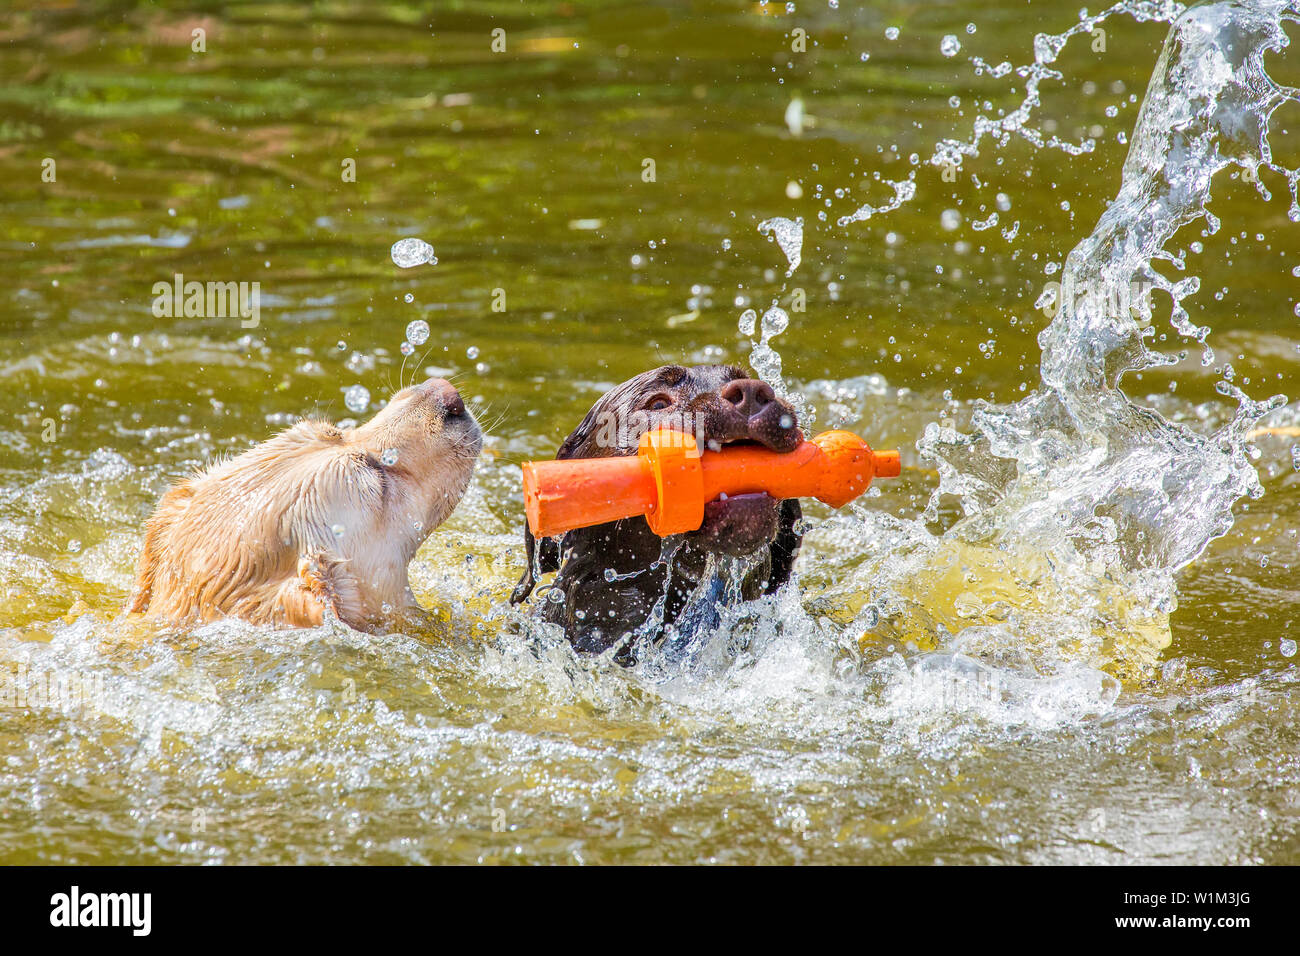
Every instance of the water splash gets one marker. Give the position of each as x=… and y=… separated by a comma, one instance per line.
x=788, y=234
x=1079, y=504
x=765, y=360
x=904, y=191
x=1017, y=122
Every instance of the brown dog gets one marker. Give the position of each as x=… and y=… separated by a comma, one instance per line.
x=316, y=520
x=611, y=578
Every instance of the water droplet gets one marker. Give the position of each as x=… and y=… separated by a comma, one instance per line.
x=1287, y=647
x=338, y=530
x=748, y=319
x=408, y=298
x=471, y=352
x=788, y=234
x=610, y=574
x=410, y=252
x=775, y=321
x=406, y=348
x=389, y=457
x=356, y=398
x=950, y=45
x=417, y=333
x=74, y=545
x=341, y=346
x=950, y=219
x=891, y=33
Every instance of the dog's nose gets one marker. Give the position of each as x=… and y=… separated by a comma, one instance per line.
x=453, y=405
x=749, y=395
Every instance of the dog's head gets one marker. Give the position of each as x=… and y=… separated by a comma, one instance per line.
x=719, y=405
x=425, y=441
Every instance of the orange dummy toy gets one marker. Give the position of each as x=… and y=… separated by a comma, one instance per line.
x=669, y=480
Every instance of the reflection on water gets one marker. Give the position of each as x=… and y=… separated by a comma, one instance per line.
x=945, y=684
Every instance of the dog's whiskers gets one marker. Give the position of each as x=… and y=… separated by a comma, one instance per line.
x=401, y=375
x=415, y=369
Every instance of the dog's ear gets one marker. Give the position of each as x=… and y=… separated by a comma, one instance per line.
x=596, y=435
x=540, y=561
x=785, y=545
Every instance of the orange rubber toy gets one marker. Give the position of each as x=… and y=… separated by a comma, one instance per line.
x=669, y=480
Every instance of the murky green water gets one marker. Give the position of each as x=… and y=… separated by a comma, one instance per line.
x=525, y=171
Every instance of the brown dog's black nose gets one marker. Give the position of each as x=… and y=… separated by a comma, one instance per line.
x=749, y=395
x=453, y=405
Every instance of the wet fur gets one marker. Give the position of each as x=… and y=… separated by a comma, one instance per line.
x=253, y=537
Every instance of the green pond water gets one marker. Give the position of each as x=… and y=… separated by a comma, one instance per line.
x=524, y=169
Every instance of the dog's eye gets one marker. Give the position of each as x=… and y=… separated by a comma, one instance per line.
x=657, y=402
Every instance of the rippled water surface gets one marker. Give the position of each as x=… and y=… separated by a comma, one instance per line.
x=977, y=675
